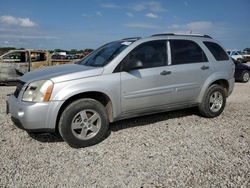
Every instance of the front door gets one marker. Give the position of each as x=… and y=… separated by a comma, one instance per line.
x=147, y=88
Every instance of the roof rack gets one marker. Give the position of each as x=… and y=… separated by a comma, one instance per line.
x=132, y=38
x=175, y=34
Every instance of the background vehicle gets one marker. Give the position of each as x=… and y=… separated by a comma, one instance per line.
x=15, y=63
x=246, y=56
x=242, y=72
x=71, y=56
x=124, y=79
x=237, y=55
x=58, y=56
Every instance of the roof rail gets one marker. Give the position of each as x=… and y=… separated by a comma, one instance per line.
x=132, y=38
x=176, y=34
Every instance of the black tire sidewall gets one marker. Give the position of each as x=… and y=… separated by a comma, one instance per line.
x=205, y=109
x=68, y=115
x=242, y=76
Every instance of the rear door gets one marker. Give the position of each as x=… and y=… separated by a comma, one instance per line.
x=13, y=65
x=189, y=69
x=147, y=88
x=221, y=60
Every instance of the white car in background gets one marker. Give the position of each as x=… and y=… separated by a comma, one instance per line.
x=237, y=55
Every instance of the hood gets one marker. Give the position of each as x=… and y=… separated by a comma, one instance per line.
x=62, y=73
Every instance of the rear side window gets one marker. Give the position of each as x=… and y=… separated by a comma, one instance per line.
x=186, y=51
x=217, y=51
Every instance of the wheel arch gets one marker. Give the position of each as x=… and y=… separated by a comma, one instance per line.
x=222, y=82
x=96, y=95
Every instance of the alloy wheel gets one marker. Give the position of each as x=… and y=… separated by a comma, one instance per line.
x=215, y=101
x=86, y=124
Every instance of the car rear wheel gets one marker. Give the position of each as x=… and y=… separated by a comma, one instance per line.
x=245, y=76
x=213, y=102
x=84, y=123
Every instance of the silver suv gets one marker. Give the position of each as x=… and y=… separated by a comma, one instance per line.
x=124, y=79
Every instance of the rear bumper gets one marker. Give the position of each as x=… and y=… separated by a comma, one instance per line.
x=33, y=117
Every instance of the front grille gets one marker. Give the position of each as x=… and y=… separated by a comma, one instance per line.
x=19, y=87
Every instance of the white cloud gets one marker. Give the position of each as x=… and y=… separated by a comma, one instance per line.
x=129, y=14
x=22, y=22
x=194, y=27
x=109, y=5
x=141, y=26
x=156, y=6
x=139, y=7
x=152, y=15
x=87, y=15
x=153, y=6
x=98, y=13
x=16, y=36
x=200, y=26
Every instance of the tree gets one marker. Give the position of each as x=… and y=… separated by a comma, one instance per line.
x=58, y=50
x=89, y=50
x=73, y=51
x=247, y=50
x=3, y=50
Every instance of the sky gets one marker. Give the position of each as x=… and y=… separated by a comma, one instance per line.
x=80, y=24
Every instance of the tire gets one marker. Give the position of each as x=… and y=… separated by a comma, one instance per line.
x=83, y=123
x=245, y=76
x=215, y=94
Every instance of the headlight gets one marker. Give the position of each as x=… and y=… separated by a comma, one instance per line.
x=38, y=91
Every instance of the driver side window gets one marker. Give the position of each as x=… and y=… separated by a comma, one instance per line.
x=151, y=54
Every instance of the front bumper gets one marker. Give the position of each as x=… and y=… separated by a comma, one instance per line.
x=33, y=117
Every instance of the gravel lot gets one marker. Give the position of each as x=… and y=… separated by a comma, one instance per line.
x=177, y=148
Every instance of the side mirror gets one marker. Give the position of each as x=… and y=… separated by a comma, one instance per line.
x=132, y=65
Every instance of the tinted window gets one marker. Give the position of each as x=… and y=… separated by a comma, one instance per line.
x=151, y=54
x=217, y=51
x=185, y=51
x=103, y=55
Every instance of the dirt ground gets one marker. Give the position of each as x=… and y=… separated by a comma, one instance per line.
x=177, y=148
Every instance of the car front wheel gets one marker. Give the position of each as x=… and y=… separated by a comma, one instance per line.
x=84, y=123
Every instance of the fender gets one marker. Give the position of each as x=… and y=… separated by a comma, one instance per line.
x=109, y=85
x=210, y=80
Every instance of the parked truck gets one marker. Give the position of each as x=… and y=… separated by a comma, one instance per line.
x=15, y=63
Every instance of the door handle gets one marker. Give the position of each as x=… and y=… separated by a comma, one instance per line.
x=204, y=67
x=165, y=72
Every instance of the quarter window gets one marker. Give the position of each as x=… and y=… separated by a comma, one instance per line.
x=151, y=54
x=186, y=51
x=217, y=51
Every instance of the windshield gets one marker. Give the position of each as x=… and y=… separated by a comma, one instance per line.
x=103, y=55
